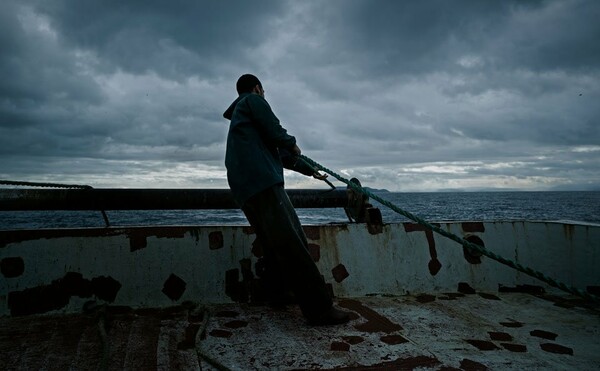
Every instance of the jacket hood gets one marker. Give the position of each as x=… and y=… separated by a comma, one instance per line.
x=229, y=111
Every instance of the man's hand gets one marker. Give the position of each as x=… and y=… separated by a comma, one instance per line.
x=296, y=150
x=319, y=176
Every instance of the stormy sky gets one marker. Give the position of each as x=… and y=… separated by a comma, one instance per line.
x=404, y=95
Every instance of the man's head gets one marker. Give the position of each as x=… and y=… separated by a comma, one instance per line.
x=249, y=84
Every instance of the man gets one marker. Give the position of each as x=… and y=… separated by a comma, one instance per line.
x=258, y=148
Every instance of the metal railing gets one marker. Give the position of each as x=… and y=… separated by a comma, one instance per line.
x=151, y=199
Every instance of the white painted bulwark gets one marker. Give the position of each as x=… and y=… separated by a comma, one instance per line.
x=163, y=266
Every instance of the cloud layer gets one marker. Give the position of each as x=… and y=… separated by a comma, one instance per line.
x=409, y=96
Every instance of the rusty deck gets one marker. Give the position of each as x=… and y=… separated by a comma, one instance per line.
x=439, y=332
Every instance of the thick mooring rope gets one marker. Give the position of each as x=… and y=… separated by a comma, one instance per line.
x=467, y=244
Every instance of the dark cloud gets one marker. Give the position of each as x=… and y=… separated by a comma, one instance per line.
x=483, y=43
x=174, y=39
x=405, y=95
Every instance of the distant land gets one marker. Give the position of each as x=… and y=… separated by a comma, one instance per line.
x=491, y=190
x=383, y=190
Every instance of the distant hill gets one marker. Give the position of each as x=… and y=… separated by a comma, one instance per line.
x=382, y=190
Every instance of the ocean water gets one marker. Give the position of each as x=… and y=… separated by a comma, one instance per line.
x=433, y=207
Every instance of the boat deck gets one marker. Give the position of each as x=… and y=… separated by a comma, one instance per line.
x=438, y=331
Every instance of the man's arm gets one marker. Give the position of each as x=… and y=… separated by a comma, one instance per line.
x=291, y=161
x=276, y=135
x=268, y=124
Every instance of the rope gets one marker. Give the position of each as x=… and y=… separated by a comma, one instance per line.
x=199, y=351
x=469, y=245
x=48, y=185
x=104, y=338
x=54, y=185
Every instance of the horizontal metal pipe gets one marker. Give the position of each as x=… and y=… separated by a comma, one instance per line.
x=150, y=199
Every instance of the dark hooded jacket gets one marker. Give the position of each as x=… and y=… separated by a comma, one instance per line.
x=258, y=148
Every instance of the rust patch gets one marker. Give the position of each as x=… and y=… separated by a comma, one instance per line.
x=56, y=295
x=473, y=227
x=500, y=336
x=594, y=290
x=49, y=342
x=512, y=324
x=434, y=264
x=329, y=288
x=235, y=324
x=77, y=347
x=563, y=303
x=312, y=232
x=425, y=298
x=517, y=348
x=488, y=296
x=162, y=232
x=465, y=288
x=137, y=241
x=227, y=314
x=174, y=287
x=138, y=234
x=195, y=316
x=375, y=321
x=215, y=240
x=75, y=285
x=114, y=310
x=472, y=256
x=138, y=237
x=340, y=273
x=482, y=344
x=220, y=333
x=106, y=288
x=339, y=346
x=9, y=237
x=353, y=340
x=315, y=251
x=452, y=296
x=569, y=231
x=353, y=316
x=257, y=248
x=189, y=337
x=246, y=268
x=409, y=363
x=35, y=300
x=555, y=348
x=393, y=339
x=468, y=365
x=374, y=220
x=248, y=230
x=526, y=289
x=12, y=267
x=235, y=289
x=544, y=334
x=413, y=227
x=16, y=236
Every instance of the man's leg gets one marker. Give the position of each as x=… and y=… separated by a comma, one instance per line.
x=268, y=269
x=276, y=223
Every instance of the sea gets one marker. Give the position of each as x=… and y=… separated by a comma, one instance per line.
x=433, y=207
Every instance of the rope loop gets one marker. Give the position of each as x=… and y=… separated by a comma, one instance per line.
x=467, y=244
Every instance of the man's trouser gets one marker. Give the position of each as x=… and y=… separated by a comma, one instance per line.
x=285, y=247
